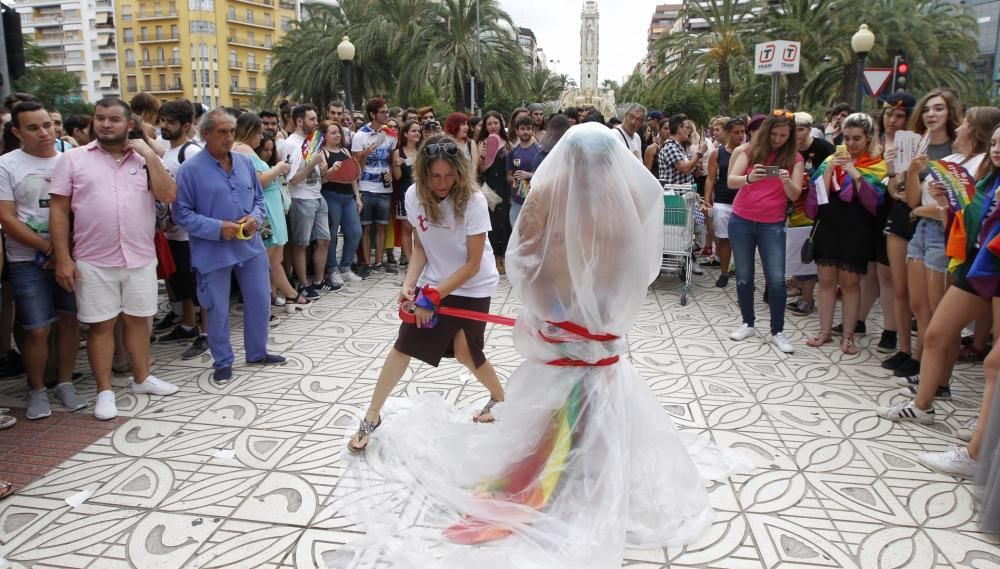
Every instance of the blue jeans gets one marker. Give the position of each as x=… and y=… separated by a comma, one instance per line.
x=343, y=214
x=515, y=210
x=769, y=238
x=37, y=296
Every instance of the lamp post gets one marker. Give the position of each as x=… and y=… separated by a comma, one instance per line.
x=862, y=43
x=345, y=51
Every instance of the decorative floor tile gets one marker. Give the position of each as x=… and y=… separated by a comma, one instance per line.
x=248, y=475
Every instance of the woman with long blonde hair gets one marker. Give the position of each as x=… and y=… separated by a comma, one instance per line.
x=453, y=266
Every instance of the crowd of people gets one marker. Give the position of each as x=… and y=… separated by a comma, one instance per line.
x=279, y=207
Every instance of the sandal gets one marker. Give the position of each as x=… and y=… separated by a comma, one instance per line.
x=364, y=434
x=6, y=489
x=301, y=299
x=487, y=409
x=6, y=421
x=848, y=346
x=823, y=338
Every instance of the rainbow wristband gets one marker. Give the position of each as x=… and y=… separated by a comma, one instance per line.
x=426, y=301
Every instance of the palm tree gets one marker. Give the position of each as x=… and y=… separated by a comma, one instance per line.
x=694, y=57
x=544, y=85
x=799, y=20
x=444, y=54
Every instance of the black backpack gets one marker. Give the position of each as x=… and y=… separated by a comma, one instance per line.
x=184, y=147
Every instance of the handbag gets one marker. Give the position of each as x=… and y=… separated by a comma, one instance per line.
x=492, y=198
x=808, y=253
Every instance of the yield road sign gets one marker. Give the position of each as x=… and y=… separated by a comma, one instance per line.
x=876, y=79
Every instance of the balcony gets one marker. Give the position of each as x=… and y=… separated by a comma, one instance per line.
x=286, y=5
x=268, y=3
x=235, y=64
x=253, y=67
x=246, y=42
x=233, y=18
x=49, y=19
x=168, y=62
x=130, y=65
x=156, y=14
x=102, y=5
x=151, y=38
x=177, y=87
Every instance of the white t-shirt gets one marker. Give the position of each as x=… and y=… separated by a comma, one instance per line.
x=377, y=163
x=172, y=161
x=971, y=165
x=25, y=179
x=633, y=143
x=445, y=244
x=309, y=188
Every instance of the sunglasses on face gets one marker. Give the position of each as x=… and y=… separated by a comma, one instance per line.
x=432, y=150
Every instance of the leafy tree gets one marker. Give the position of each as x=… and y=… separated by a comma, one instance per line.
x=544, y=85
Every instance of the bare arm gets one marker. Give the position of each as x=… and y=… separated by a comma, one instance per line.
x=738, y=164
x=647, y=159
x=711, y=176
x=160, y=181
x=66, y=272
x=397, y=170
x=19, y=231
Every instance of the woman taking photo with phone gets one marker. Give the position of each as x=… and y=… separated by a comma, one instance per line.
x=768, y=173
x=453, y=266
x=493, y=149
x=844, y=233
x=402, y=171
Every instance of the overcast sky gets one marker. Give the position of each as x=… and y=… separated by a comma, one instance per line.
x=556, y=23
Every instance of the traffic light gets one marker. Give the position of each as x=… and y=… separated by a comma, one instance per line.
x=900, y=74
x=480, y=93
x=13, y=42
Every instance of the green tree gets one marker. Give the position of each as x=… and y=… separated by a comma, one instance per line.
x=799, y=20
x=544, y=85
x=691, y=59
x=53, y=87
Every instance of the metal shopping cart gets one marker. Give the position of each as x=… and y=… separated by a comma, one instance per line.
x=679, y=205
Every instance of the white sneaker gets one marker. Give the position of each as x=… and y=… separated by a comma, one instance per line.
x=743, y=332
x=350, y=277
x=954, y=461
x=907, y=412
x=782, y=342
x=105, y=407
x=966, y=431
x=154, y=386
x=696, y=269
x=335, y=279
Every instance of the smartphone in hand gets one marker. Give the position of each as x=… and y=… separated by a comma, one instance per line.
x=771, y=171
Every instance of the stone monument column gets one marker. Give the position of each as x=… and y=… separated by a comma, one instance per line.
x=589, y=48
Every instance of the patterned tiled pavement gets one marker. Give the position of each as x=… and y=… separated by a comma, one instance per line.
x=242, y=476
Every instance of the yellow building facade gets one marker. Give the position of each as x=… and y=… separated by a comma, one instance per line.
x=214, y=52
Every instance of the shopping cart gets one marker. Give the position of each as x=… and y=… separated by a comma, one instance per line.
x=679, y=205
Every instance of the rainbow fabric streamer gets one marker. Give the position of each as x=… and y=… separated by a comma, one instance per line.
x=984, y=272
x=533, y=481
x=311, y=145
x=959, y=187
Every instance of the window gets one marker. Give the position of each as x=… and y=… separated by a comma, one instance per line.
x=235, y=83
x=174, y=34
x=205, y=77
x=267, y=40
x=177, y=81
x=204, y=52
x=216, y=73
x=251, y=60
x=161, y=56
x=194, y=77
x=231, y=13
x=253, y=83
x=201, y=27
x=249, y=16
x=126, y=13
x=175, y=56
x=128, y=36
x=145, y=55
x=207, y=5
x=250, y=38
x=131, y=84
x=130, y=55
x=232, y=58
x=147, y=82
x=159, y=32
x=163, y=81
x=286, y=24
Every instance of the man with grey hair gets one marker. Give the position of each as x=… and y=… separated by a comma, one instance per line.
x=635, y=115
x=220, y=203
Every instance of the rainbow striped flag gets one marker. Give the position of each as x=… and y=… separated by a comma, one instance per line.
x=959, y=186
x=311, y=145
x=984, y=272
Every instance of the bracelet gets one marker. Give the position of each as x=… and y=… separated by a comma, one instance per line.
x=748, y=179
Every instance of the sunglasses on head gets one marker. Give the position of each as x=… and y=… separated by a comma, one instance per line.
x=432, y=150
x=784, y=113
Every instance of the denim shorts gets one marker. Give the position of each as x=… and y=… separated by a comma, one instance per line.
x=308, y=221
x=927, y=245
x=37, y=297
x=376, y=208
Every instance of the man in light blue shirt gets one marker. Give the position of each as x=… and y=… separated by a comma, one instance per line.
x=220, y=203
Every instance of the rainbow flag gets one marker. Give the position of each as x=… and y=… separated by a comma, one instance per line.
x=959, y=186
x=872, y=170
x=984, y=272
x=311, y=145
x=533, y=481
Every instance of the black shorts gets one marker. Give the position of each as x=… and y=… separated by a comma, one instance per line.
x=429, y=345
x=962, y=284
x=899, y=223
x=182, y=284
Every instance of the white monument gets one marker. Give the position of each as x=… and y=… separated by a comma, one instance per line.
x=589, y=92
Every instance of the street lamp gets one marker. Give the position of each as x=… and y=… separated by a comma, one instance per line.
x=862, y=43
x=345, y=51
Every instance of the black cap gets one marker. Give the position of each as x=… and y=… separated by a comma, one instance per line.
x=900, y=99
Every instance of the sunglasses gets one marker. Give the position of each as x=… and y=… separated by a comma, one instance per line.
x=784, y=113
x=432, y=150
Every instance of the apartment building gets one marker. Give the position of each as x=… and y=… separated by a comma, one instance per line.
x=79, y=37
x=208, y=51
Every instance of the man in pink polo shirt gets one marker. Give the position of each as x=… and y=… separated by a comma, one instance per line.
x=110, y=186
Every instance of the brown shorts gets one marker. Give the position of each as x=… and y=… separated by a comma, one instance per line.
x=429, y=345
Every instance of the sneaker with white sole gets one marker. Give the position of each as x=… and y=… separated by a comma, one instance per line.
x=953, y=462
x=966, y=431
x=906, y=412
x=942, y=393
x=782, y=342
x=743, y=332
x=909, y=381
x=335, y=279
x=67, y=395
x=154, y=386
x=38, y=404
x=350, y=277
x=105, y=407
